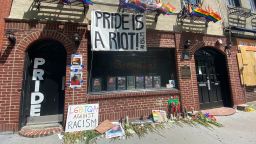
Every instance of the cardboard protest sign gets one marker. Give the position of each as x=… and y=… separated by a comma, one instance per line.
x=116, y=131
x=82, y=117
x=104, y=126
x=159, y=115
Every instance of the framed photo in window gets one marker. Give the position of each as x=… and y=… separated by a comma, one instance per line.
x=157, y=81
x=121, y=83
x=139, y=82
x=148, y=82
x=111, y=83
x=96, y=84
x=130, y=82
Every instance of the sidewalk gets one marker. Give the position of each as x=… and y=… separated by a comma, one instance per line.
x=239, y=128
x=252, y=103
x=9, y=138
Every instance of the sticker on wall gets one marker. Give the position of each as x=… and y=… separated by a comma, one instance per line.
x=76, y=78
x=76, y=61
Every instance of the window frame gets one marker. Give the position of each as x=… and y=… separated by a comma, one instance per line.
x=253, y=5
x=171, y=74
x=185, y=2
x=233, y=3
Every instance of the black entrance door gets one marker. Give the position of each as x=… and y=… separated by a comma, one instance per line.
x=43, y=90
x=212, y=79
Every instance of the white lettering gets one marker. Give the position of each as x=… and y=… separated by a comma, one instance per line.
x=38, y=74
x=37, y=86
x=35, y=110
x=36, y=98
x=38, y=61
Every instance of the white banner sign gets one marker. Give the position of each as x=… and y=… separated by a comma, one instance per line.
x=82, y=117
x=118, y=32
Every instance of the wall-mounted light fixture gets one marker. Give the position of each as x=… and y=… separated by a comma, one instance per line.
x=11, y=37
x=77, y=39
x=228, y=49
x=185, y=52
x=229, y=44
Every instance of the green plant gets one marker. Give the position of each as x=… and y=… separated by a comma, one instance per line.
x=78, y=137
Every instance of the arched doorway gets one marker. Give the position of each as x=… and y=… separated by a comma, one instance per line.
x=43, y=86
x=212, y=78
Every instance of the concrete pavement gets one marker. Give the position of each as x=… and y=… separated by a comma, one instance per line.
x=239, y=128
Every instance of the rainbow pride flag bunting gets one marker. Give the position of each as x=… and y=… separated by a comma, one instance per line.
x=168, y=8
x=208, y=14
x=138, y=8
x=213, y=16
x=200, y=12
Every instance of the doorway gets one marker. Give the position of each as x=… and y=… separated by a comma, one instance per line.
x=43, y=86
x=212, y=78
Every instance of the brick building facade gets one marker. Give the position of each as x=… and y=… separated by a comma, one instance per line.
x=115, y=105
x=4, y=13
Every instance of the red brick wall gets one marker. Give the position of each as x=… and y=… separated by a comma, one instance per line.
x=133, y=104
x=237, y=91
x=5, y=8
x=112, y=106
x=250, y=94
x=12, y=62
x=188, y=87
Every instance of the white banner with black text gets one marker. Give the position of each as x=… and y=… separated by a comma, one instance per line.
x=118, y=31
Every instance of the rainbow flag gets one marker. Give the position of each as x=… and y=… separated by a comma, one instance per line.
x=200, y=12
x=213, y=16
x=169, y=8
x=138, y=8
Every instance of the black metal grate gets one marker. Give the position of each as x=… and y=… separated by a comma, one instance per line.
x=77, y=3
x=240, y=12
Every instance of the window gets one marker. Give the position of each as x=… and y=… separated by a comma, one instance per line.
x=192, y=1
x=113, y=71
x=235, y=3
x=253, y=6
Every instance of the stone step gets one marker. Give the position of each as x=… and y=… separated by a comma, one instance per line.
x=41, y=130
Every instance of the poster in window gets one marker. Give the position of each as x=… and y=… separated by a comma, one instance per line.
x=121, y=83
x=130, y=82
x=76, y=61
x=140, y=82
x=148, y=81
x=157, y=82
x=96, y=84
x=75, y=79
x=111, y=83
